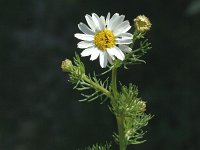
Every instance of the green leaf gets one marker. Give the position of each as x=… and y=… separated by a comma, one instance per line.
x=99, y=147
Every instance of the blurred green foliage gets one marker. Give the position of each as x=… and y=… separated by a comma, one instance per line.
x=38, y=108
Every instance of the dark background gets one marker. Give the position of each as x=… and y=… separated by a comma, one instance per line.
x=38, y=108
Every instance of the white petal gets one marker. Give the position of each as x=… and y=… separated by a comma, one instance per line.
x=116, y=52
x=87, y=52
x=107, y=19
x=117, y=22
x=99, y=24
x=110, y=58
x=119, y=54
x=85, y=44
x=123, y=41
x=125, y=35
x=114, y=17
x=111, y=51
x=103, y=59
x=84, y=37
x=85, y=29
x=121, y=19
x=95, y=54
x=96, y=22
x=122, y=28
x=125, y=48
x=103, y=21
x=90, y=22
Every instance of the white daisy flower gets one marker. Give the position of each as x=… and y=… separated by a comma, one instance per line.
x=105, y=38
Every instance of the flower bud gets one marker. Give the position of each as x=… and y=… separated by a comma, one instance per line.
x=66, y=65
x=142, y=23
x=142, y=105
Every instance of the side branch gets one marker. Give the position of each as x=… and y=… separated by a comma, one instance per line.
x=97, y=86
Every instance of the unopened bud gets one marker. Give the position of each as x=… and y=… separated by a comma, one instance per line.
x=142, y=23
x=66, y=65
x=142, y=106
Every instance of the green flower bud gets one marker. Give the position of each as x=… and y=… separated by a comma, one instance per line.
x=142, y=105
x=66, y=65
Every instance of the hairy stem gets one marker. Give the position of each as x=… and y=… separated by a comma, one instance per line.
x=134, y=38
x=120, y=119
x=120, y=123
x=114, y=82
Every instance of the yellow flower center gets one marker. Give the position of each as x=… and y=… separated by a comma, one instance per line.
x=104, y=39
x=142, y=23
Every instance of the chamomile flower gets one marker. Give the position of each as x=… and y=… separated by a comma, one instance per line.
x=106, y=38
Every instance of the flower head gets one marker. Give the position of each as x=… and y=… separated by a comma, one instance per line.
x=105, y=38
x=142, y=23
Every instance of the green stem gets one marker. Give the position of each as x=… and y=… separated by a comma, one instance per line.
x=122, y=142
x=134, y=38
x=97, y=86
x=120, y=119
x=114, y=82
